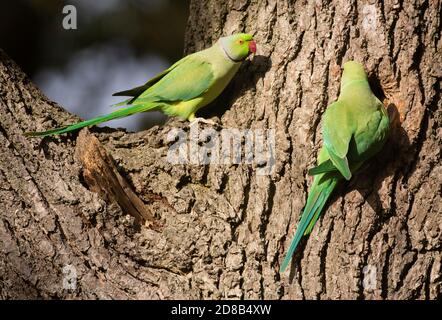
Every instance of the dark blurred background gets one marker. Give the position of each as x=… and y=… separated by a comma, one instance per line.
x=118, y=44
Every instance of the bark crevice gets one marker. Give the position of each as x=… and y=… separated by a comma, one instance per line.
x=224, y=229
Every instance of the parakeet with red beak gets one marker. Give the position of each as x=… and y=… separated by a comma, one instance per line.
x=184, y=88
x=355, y=128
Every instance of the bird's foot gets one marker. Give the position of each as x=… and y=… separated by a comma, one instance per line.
x=198, y=120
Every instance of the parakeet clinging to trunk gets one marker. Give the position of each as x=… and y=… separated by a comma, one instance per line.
x=354, y=128
x=188, y=85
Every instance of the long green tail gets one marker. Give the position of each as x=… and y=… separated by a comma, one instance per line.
x=322, y=187
x=111, y=116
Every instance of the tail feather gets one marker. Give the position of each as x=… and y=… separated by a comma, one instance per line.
x=327, y=194
x=111, y=116
x=123, y=103
x=326, y=166
x=321, y=190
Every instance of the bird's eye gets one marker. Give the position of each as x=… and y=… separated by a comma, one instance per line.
x=241, y=41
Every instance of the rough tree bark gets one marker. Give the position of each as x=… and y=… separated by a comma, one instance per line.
x=220, y=231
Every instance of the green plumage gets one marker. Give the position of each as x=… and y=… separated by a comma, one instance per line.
x=355, y=127
x=184, y=88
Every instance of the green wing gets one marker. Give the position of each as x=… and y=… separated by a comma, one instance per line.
x=186, y=81
x=135, y=92
x=372, y=135
x=337, y=132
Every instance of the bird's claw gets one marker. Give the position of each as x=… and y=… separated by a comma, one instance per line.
x=198, y=120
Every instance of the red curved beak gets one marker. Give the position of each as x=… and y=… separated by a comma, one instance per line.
x=252, y=46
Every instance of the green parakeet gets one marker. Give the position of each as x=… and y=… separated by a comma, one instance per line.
x=354, y=128
x=188, y=85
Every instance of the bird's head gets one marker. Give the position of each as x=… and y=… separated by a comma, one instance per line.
x=238, y=46
x=353, y=70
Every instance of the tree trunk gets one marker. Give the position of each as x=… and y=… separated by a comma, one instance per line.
x=112, y=218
